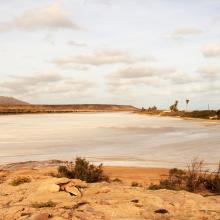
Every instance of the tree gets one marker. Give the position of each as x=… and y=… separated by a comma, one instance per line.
x=187, y=102
x=173, y=108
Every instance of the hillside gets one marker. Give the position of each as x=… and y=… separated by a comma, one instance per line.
x=24, y=108
x=11, y=101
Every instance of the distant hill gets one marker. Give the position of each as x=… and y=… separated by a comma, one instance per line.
x=11, y=101
x=89, y=107
x=14, y=106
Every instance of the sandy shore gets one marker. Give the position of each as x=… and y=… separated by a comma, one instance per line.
x=126, y=174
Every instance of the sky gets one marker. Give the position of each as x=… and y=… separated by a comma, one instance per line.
x=136, y=52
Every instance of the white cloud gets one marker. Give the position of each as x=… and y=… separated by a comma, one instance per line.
x=178, y=77
x=148, y=76
x=100, y=57
x=186, y=31
x=138, y=72
x=211, y=50
x=209, y=70
x=44, y=83
x=76, y=44
x=23, y=84
x=54, y=16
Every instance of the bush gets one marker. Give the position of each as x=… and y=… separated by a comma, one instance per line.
x=175, y=181
x=218, y=113
x=195, y=175
x=192, y=180
x=212, y=182
x=66, y=171
x=117, y=180
x=82, y=170
x=154, y=187
x=135, y=184
x=206, y=114
x=20, y=180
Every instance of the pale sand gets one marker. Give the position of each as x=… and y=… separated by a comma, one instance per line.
x=140, y=174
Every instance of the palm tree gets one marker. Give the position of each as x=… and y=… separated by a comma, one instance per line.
x=187, y=102
x=173, y=108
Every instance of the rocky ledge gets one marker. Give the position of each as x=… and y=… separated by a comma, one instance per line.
x=42, y=197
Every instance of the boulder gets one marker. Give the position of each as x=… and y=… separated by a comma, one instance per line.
x=74, y=191
x=61, y=181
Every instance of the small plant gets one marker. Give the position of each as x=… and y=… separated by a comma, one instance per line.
x=48, y=204
x=135, y=184
x=66, y=171
x=117, y=180
x=82, y=170
x=175, y=181
x=154, y=187
x=161, y=211
x=195, y=175
x=212, y=182
x=20, y=180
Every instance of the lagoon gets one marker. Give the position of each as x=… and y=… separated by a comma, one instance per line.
x=123, y=138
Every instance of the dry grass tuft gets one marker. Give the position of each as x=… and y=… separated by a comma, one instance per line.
x=20, y=180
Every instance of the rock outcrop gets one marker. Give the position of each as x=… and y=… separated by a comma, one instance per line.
x=47, y=197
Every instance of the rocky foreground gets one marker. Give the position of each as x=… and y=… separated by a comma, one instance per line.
x=46, y=197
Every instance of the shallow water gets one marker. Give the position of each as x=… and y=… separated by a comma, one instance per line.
x=112, y=138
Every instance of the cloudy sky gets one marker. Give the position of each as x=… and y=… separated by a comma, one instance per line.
x=139, y=52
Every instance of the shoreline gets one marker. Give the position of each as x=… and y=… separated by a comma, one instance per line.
x=128, y=174
x=160, y=114
x=179, y=117
x=133, y=111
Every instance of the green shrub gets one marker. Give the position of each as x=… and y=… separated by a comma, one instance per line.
x=82, y=170
x=20, y=180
